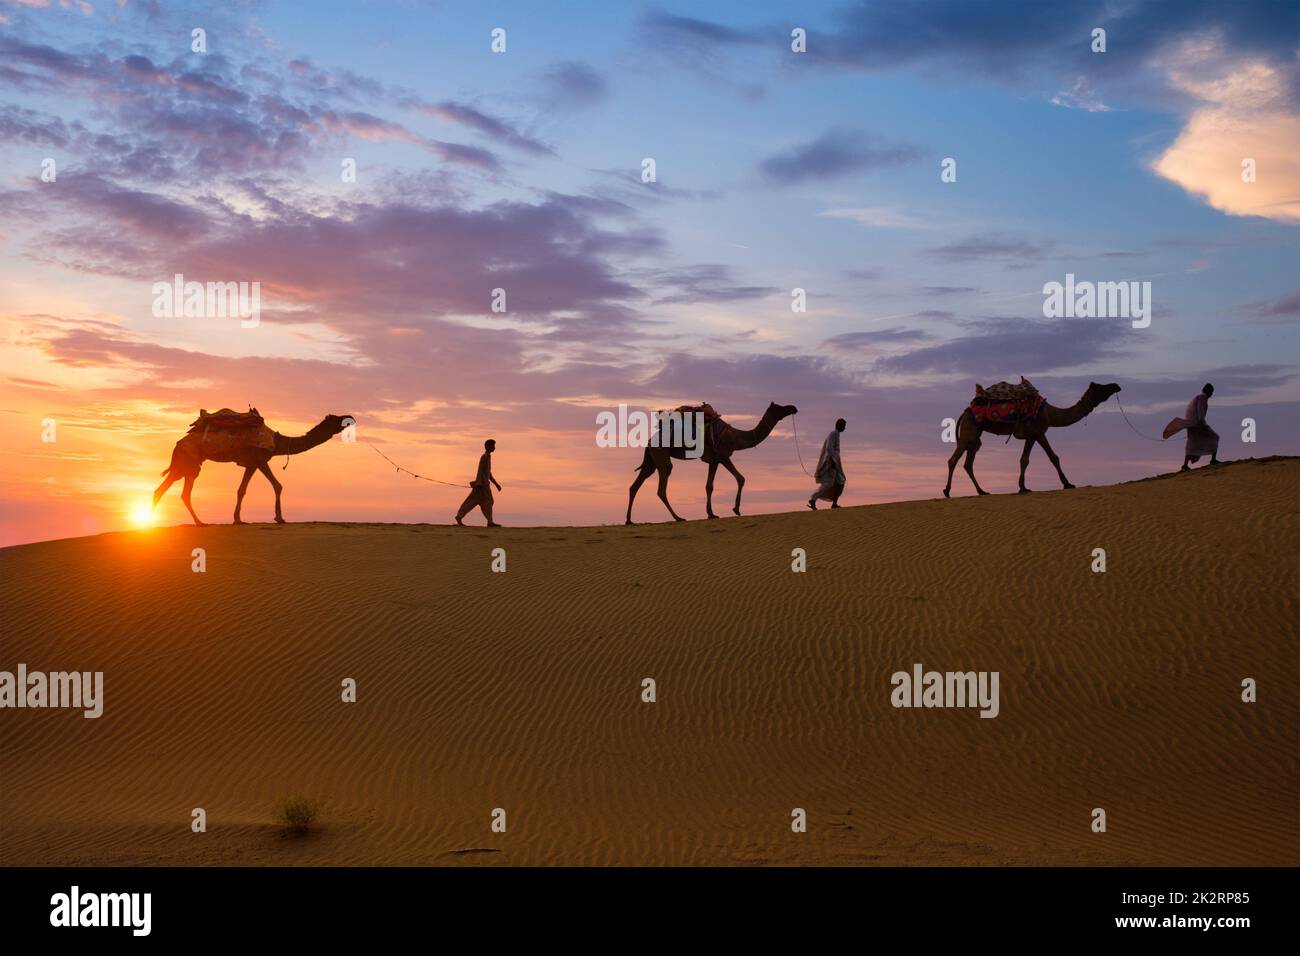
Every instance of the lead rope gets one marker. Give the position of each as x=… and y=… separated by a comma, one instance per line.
x=1130, y=424
x=408, y=471
x=795, y=425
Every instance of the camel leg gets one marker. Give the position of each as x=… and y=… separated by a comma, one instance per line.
x=665, y=470
x=1024, y=462
x=970, y=468
x=647, y=469
x=243, y=487
x=952, y=464
x=1056, y=462
x=708, y=489
x=740, y=482
x=265, y=469
x=185, y=497
x=162, y=489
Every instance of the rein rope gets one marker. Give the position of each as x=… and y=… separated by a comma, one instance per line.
x=795, y=426
x=436, y=481
x=1130, y=424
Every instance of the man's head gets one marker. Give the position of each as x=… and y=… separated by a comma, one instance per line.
x=1208, y=390
x=490, y=445
x=840, y=424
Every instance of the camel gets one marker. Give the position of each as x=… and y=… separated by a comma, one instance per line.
x=252, y=459
x=732, y=440
x=1031, y=432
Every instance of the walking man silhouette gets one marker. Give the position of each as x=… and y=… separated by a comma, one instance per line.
x=1201, y=438
x=480, y=495
x=830, y=472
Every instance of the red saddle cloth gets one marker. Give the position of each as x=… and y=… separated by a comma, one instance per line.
x=1006, y=404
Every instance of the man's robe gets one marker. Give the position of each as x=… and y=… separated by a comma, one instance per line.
x=830, y=473
x=1201, y=438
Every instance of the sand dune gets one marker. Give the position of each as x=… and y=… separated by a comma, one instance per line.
x=521, y=690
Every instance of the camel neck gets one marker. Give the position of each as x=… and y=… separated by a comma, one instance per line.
x=1061, y=417
x=748, y=438
x=297, y=444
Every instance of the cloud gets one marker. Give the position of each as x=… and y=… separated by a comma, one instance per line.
x=1245, y=114
x=706, y=283
x=669, y=30
x=489, y=126
x=1080, y=97
x=573, y=85
x=876, y=217
x=1012, y=251
x=703, y=46
x=879, y=337
x=1281, y=311
x=1006, y=347
x=836, y=152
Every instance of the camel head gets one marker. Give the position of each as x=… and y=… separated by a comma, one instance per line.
x=777, y=412
x=333, y=424
x=1097, y=394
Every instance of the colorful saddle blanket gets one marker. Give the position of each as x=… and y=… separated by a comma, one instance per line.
x=1006, y=404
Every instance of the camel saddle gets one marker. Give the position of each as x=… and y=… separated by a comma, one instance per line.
x=227, y=418
x=220, y=435
x=714, y=425
x=1006, y=404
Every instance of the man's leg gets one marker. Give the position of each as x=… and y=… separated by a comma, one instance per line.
x=821, y=490
x=467, y=505
x=835, y=495
x=485, y=505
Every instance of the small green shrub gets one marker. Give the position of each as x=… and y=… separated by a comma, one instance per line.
x=296, y=813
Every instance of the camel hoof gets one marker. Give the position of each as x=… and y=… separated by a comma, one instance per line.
x=237, y=521
x=1067, y=486
x=736, y=512
x=279, y=520
x=1025, y=491
x=713, y=517
x=982, y=493
x=945, y=492
x=629, y=523
x=675, y=518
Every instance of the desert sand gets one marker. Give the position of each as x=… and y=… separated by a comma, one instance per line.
x=522, y=690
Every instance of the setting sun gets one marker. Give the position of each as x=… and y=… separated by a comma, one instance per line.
x=141, y=515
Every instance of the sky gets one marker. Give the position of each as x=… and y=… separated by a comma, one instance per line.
x=127, y=156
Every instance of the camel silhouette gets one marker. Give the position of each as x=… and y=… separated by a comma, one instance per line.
x=732, y=440
x=1031, y=432
x=186, y=462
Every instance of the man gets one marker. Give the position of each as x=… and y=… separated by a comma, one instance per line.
x=830, y=473
x=1201, y=438
x=480, y=495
